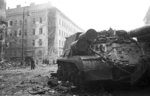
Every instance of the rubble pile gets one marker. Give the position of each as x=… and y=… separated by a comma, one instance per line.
x=10, y=65
x=62, y=88
x=41, y=86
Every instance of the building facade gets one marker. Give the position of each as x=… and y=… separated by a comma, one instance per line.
x=38, y=31
x=147, y=17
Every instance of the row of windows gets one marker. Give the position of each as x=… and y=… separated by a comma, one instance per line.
x=17, y=23
x=63, y=34
x=13, y=53
x=40, y=31
x=61, y=43
x=19, y=52
x=34, y=20
x=20, y=22
x=40, y=42
x=10, y=44
x=19, y=32
x=66, y=26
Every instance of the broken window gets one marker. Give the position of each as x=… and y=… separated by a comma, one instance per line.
x=11, y=23
x=41, y=30
x=33, y=42
x=40, y=42
x=19, y=33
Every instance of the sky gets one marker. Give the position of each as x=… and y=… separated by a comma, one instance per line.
x=98, y=14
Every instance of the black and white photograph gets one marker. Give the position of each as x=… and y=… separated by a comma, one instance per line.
x=74, y=47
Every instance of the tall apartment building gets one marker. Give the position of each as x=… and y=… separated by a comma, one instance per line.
x=147, y=17
x=39, y=30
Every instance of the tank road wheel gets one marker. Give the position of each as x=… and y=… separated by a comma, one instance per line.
x=72, y=78
x=68, y=73
x=79, y=81
x=59, y=73
x=63, y=73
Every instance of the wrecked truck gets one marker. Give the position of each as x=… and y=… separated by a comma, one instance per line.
x=105, y=56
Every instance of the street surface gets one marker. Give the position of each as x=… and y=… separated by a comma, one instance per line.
x=16, y=82
x=27, y=82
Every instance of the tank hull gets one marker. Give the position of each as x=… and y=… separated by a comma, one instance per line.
x=116, y=58
x=96, y=70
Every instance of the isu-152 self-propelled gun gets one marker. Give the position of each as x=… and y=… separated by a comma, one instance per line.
x=105, y=56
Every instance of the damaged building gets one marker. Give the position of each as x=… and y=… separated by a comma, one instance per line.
x=38, y=30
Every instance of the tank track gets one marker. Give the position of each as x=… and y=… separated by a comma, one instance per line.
x=68, y=71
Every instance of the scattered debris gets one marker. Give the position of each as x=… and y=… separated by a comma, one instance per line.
x=29, y=82
x=66, y=84
x=52, y=82
x=11, y=65
x=38, y=75
x=36, y=90
x=2, y=80
x=54, y=74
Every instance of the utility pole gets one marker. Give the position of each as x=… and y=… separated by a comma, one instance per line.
x=23, y=26
x=22, y=34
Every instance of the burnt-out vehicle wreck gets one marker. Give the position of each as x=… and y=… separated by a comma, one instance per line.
x=106, y=56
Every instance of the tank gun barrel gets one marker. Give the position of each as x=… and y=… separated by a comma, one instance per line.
x=89, y=35
x=81, y=44
x=141, y=31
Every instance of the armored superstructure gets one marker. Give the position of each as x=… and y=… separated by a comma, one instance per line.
x=110, y=56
